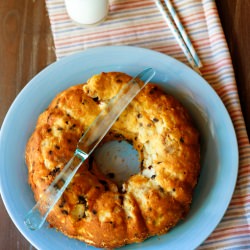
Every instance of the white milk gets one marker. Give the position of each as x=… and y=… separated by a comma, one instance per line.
x=87, y=12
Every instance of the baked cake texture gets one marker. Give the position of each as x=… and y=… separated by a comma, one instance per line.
x=93, y=208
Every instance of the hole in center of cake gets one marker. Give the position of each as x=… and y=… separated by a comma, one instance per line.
x=118, y=160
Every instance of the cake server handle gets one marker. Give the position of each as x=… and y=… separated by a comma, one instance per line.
x=38, y=214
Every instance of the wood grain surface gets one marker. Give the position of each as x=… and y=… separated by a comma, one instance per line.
x=26, y=47
x=235, y=20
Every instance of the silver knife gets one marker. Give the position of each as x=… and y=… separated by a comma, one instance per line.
x=86, y=145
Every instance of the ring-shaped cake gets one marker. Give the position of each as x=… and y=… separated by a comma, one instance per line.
x=93, y=208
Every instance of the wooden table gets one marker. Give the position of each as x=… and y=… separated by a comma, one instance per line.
x=26, y=47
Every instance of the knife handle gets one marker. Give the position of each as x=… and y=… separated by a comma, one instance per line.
x=38, y=214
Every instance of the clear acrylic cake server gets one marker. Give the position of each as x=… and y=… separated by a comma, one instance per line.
x=86, y=145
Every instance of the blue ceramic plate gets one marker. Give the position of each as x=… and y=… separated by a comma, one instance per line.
x=219, y=146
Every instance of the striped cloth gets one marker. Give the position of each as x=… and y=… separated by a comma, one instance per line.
x=139, y=23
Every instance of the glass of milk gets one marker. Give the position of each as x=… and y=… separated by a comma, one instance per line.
x=87, y=12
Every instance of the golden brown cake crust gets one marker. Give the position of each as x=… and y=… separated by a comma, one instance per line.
x=92, y=209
